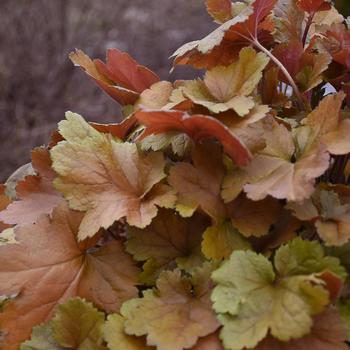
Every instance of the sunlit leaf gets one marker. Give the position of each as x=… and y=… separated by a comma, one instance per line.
x=251, y=298
x=228, y=88
x=106, y=178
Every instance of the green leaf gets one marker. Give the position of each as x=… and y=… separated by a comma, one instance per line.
x=181, y=144
x=252, y=299
x=117, y=339
x=78, y=325
x=41, y=339
x=221, y=240
x=343, y=307
x=301, y=257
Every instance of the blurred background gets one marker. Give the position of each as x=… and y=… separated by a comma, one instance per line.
x=37, y=81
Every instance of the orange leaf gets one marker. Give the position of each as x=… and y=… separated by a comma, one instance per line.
x=121, y=77
x=254, y=218
x=222, y=45
x=198, y=127
x=199, y=185
x=4, y=202
x=120, y=130
x=336, y=40
x=36, y=193
x=220, y=10
x=47, y=266
x=313, y=6
x=274, y=172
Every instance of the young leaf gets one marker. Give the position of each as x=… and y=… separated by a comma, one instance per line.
x=36, y=193
x=47, y=266
x=168, y=240
x=228, y=88
x=300, y=257
x=122, y=77
x=220, y=10
x=251, y=299
x=198, y=127
x=174, y=315
x=198, y=185
x=78, y=325
x=106, y=178
x=328, y=333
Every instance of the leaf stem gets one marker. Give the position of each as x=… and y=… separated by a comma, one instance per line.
x=307, y=27
x=278, y=63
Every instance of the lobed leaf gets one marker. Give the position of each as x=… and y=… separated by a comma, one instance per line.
x=168, y=241
x=107, y=179
x=174, y=315
x=36, y=194
x=121, y=77
x=60, y=268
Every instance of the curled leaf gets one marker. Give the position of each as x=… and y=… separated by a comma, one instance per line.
x=121, y=77
x=198, y=127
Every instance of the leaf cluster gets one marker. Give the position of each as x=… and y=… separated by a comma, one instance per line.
x=216, y=215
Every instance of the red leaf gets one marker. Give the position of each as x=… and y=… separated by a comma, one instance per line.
x=123, y=70
x=312, y=6
x=119, y=130
x=336, y=41
x=197, y=127
x=121, y=77
x=333, y=283
x=289, y=54
x=220, y=10
x=222, y=45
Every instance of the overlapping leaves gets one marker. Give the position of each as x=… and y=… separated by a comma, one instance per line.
x=214, y=216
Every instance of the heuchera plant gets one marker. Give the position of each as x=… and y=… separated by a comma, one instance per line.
x=216, y=215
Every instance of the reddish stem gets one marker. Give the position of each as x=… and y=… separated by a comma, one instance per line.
x=307, y=27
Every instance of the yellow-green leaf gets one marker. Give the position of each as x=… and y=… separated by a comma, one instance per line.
x=174, y=315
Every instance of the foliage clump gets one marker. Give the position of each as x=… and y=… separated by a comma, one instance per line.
x=216, y=215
